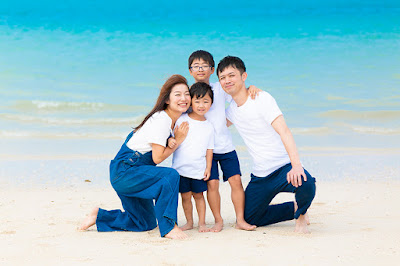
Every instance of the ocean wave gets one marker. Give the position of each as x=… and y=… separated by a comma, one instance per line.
x=60, y=135
x=312, y=131
x=126, y=121
x=59, y=106
x=362, y=115
x=375, y=130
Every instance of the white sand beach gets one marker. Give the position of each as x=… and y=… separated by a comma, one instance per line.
x=354, y=221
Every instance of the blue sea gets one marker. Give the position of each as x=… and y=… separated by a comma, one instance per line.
x=76, y=76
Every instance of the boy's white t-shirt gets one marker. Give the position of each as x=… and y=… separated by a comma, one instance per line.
x=190, y=157
x=157, y=129
x=253, y=121
x=216, y=115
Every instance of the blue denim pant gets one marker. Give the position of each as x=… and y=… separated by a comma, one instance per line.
x=261, y=190
x=139, y=184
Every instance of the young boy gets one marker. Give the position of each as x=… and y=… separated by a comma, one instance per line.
x=201, y=67
x=193, y=158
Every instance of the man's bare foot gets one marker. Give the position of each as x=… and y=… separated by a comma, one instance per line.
x=89, y=220
x=307, y=218
x=218, y=226
x=243, y=225
x=301, y=225
x=203, y=228
x=176, y=233
x=187, y=226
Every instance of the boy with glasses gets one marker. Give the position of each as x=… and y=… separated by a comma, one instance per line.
x=201, y=67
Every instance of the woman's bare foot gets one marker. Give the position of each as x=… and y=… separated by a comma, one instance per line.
x=203, y=228
x=176, y=233
x=89, y=220
x=218, y=226
x=243, y=225
x=301, y=225
x=187, y=226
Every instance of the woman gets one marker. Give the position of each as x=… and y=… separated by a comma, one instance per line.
x=135, y=177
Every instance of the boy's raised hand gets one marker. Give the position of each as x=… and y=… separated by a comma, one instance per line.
x=181, y=132
x=171, y=143
x=254, y=91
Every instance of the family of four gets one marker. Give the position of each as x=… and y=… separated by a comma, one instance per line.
x=200, y=141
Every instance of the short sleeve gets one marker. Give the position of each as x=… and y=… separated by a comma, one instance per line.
x=159, y=129
x=267, y=107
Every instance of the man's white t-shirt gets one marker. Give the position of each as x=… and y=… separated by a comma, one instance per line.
x=216, y=115
x=190, y=157
x=253, y=121
x=157, y=129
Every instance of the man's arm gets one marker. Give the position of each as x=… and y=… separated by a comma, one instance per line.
x=294, y=175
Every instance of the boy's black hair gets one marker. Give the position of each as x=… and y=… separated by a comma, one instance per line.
x=232, y=61
x=200, y=89
x=201, y=54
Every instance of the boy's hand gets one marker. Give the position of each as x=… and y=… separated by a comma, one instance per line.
x=294, y=176
x=254, y=91
x=181, y=132
x=207, y=174
x=171, y=143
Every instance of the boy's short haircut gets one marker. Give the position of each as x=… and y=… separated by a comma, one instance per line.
x=200, y=89
x=201, y=54
x=232, y=61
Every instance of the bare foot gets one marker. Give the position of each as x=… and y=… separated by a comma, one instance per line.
x=203, y=228
x=89, y=220
x=217, y=227
x=307, y=218
x=187, y=226
x=243, y=225
x=301, y=225
x=176, y=233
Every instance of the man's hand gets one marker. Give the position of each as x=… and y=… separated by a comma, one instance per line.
x=294, y=176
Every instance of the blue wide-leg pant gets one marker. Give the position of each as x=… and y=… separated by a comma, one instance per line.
x=261, y=190
x=148, y=194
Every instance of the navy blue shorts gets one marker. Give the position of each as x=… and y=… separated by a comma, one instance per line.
x=187, y=184
x=229, y=164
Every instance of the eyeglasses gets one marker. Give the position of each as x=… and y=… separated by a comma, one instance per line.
x=197, y=68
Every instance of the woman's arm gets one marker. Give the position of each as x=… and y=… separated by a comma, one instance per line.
x=160, y=153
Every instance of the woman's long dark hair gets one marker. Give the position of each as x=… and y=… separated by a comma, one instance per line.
x=162, y=99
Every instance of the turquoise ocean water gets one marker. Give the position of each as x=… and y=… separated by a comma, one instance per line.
x=76, y=76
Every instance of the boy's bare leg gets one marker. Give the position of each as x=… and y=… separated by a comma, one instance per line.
x=301, y=222
x=188, y=210
x=176, y=233
x=201, y=211
x=214, y=200
x=89, y=220
x=238, y=202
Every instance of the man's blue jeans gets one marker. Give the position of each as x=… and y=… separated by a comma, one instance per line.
x=261, y=190
x=138, y=182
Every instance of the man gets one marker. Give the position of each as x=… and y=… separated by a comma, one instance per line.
x=276, y=164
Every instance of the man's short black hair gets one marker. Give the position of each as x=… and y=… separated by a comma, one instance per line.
x=232, y=61
x=200, y=89
x=201, y=54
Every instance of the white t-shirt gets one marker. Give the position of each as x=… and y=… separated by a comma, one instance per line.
x=253, y=121
x=216, y=115
x=157, y=129
x=190, y=157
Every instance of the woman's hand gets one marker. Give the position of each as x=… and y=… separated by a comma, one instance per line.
x=181, y=132
x=171, y=142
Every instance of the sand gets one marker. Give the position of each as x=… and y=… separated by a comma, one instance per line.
x=354, y=217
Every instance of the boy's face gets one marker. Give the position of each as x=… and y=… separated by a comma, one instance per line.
x=231, y=80
x=201, y=70
x=200, y=106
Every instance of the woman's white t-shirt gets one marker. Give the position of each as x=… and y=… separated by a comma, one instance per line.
x=216, y=115
x=253, y=121
x=157, y=129
x=190, y=157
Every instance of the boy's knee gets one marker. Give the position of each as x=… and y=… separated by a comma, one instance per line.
x=213, y=185
x=198, y=196
x=235, y=181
